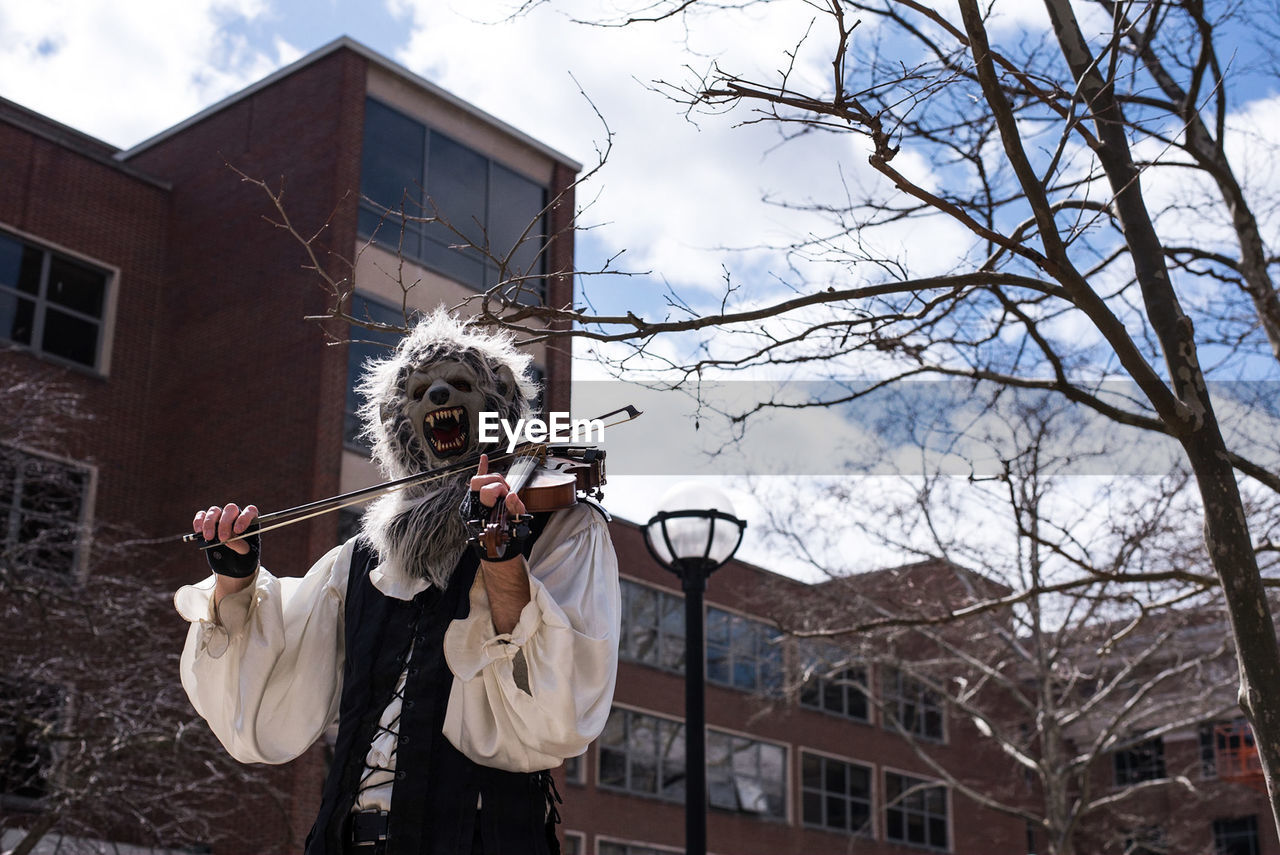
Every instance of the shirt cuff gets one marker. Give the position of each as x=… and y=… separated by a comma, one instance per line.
x=470, y=644
x=217, y=625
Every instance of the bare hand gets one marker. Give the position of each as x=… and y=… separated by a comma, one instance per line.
x=225, y=523
x=493, y=488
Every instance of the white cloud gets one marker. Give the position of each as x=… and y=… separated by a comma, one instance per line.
x=679, y=189
x=125, y=71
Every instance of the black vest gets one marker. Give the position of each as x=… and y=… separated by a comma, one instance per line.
x=433, y=802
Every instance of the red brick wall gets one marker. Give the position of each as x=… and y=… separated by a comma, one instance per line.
x=67, y=200
x=252, y=394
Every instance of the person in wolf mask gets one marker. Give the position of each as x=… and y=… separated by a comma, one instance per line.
x=456, y=681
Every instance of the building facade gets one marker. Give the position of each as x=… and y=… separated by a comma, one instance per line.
x=145, y=286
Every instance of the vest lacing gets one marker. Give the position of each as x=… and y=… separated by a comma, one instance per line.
x=380, y=761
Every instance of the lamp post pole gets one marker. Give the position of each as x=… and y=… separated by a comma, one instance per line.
x=693, y=576
x=692, y=544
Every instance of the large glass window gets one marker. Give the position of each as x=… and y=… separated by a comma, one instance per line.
x=746, y=776
x=835, y=794
x=29, y=714
x=365, y=345
x=1141, y=762
x=41, y=510
x=51, y=303
x=643, y=754
x=915, y=811
x=911, y=704
x=1237, y=836
x=455, y=197
x=743, y=653
x=652, y=626
x=830, y=683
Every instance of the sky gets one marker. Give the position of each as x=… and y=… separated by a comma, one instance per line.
x=675, y=188
x=677, y=191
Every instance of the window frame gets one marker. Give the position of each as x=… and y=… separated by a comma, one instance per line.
x=423, y=233
x=1210, y=747
x=658, y=758
x=105, y=321
x=888, y=806
x=824, y=757
x=785, y=816
x=629, y=845
x=758, y=658
x=1250, y=833
x=579, y=778
x=580, y=836
x=662, y=598
x=1129, y=767
x=83, y=524
x=350, y=418
x=894, y=696
x=818, y=683
x=49, y=758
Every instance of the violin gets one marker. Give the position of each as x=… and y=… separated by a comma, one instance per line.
x=545, y=482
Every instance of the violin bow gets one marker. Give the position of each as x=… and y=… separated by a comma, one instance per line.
x=289, y=516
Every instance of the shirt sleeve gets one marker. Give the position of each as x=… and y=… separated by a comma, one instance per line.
x=264, y=668
x=568, y=638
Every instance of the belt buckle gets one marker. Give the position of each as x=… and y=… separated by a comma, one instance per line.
x=368, y=828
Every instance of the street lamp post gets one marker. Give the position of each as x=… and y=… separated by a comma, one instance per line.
x=692, y=534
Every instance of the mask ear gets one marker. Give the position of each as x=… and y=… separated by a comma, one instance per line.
x=507, y=387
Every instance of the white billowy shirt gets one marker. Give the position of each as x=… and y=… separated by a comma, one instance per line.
x=265, y=668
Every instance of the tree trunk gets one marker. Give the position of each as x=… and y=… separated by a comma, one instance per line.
x=1226, y=531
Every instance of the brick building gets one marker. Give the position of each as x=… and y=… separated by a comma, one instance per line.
x=147, y=282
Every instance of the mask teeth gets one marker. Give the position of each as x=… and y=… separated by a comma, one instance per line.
x=452, y=412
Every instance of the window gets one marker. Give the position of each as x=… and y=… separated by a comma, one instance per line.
x=406, y=165
x=831, y=686
x=365, y=345
x=575, y=770
x=1238, y=836
x=1143, y=761
x=746, y=776
x=835, y=794
x=50, y=302
x=642, y=754
x=1147, y=840
x=611, y=847
x=1227, y=749
x=29, y=714
x=915, y=707
x=915, y=811
x=574, y=843
x=652, y=627
x=743, y=653
x=41, y=509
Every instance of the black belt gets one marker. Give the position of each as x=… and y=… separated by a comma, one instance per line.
x=366, y=831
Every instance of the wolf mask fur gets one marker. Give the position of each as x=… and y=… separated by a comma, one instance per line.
x=421, y=411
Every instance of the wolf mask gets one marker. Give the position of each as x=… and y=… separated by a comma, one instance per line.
x=421, y=411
